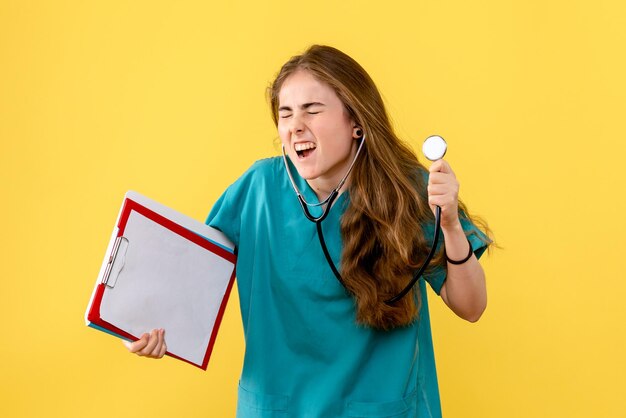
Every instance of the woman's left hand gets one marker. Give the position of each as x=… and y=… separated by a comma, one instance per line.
x=443, y=191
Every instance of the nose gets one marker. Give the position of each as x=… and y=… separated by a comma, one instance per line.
x=297, y=125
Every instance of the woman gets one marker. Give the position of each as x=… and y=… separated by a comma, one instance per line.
x=326, y=345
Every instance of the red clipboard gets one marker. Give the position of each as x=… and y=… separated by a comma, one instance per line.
x=163, y=269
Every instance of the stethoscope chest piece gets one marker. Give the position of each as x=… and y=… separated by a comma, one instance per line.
x=434, y=147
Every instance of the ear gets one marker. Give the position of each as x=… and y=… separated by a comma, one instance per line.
x=357, y=132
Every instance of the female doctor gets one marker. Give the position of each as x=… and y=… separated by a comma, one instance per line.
x=320, y=344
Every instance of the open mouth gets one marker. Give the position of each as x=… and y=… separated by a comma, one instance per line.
x=303, y=150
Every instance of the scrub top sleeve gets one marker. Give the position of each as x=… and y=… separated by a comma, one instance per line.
x=223, y=217
x=226, y=212
x=435, y=278
x=477, y=238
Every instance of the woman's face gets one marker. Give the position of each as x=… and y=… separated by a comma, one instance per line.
x=316, y=130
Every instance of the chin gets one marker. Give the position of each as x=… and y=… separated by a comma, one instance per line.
x=306, y=171
x=307, y=174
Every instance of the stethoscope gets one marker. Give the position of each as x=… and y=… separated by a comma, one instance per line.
x=434, y=148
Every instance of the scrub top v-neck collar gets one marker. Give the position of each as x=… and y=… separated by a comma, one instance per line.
x=309, y=194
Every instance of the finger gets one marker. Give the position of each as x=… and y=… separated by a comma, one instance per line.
x=163, y=347
x=157, y=348
x=151, y=344
x=440, y=189
x=441, y=166
x=446, y=183
x=439, y=177
x=139, y=344
x=443, y=201
x=443, y=190
x=435, y=167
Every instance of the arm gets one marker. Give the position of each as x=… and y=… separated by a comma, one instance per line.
x=464, y=290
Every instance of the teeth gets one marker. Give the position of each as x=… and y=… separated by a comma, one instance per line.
x=305, y=146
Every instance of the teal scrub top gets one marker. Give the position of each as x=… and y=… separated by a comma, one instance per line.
x=305, y=355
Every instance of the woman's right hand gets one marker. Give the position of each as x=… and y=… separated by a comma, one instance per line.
x=149, y=345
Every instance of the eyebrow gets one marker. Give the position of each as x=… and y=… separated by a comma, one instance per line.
x=304, y=106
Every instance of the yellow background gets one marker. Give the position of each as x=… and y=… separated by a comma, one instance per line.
x=167, y=98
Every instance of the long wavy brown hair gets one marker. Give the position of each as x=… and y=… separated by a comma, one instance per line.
x=383, y=226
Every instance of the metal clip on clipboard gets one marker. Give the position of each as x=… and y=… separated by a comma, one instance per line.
x=116, y=261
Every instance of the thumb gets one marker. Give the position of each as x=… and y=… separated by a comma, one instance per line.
x=441, y=166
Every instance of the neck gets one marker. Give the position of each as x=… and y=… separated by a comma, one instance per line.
x=324, y=187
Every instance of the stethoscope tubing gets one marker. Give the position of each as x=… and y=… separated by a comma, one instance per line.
x=417, y=274
x=329, y=201
x=430, y=256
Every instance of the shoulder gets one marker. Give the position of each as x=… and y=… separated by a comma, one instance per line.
x=419, y=178
x=270, y=165
x=267, y=163
x=264, y=178
x=260, y=171
x=244, y=198
x=421, y=173
x=265, y=167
